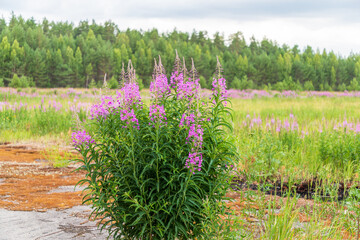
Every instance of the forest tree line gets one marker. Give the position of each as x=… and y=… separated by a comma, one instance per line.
x=60, y=54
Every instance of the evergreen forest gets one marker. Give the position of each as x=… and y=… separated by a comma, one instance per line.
x=63, y=54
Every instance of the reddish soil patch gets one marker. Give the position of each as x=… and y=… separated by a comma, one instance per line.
x=27, y=182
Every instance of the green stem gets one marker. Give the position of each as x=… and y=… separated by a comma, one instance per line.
x=183, y=198
x=157, y=158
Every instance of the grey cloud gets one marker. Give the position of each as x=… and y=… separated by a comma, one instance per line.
x=243, y=9
x=230, y=9
x=332, y=24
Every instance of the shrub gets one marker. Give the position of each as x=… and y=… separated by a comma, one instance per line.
x=92, y=84
x=280, y=86
x=339, y=149
x=236, y=83
x=342, y=87
x=113, y=83
x=152, y=171
x=308, y=86
x=354, y=85
x=245, y=83
x=203, y=83
x=139, y=82
x=22, y=82
x=15, y=82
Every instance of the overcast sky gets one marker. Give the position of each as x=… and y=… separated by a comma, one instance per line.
x=330, y=24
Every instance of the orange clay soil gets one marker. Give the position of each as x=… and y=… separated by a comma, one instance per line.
x=28, y=182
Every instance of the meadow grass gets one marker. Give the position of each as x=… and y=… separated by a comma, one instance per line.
x=310, y=149
x=324, y=145
x=309, y=138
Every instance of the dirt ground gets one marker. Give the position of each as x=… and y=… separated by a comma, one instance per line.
x=38, y=201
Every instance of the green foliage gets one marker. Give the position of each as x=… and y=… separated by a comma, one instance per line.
x=92, y=84
x=282, y=226
x=352, y=204
x=242, y=84
x=49, y=120
x=113, y=83
x=308, y=86
x=339, y=149
x=22, y=82
x=280, y=86
x=140, y=83
x=99, y=84
x=354, y=85
x=15, y=82
x=203, y=83
x=236, y=83
x=327, y=87
x=342, y=87
x=219, y=228
x=57, y=157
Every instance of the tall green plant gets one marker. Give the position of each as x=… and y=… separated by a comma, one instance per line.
x=153, y=170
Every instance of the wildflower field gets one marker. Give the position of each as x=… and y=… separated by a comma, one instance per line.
x=297, y=173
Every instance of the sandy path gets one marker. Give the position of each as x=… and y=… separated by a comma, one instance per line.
x=71, y=223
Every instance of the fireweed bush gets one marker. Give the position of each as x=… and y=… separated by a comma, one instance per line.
x=152, y=170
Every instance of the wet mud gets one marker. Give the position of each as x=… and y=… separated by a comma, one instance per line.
x=308, y=189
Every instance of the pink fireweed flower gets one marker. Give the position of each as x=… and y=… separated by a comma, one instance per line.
x=176, y=79
x=129, y=117
x=104, y=108
x=219, y=88
x=98, y=110
x=194, y=162
x=244, y=123
x=129, y=95
x=272, y=121
x=126, y=98
x=320, y=130
x=196, y=133
x=195, y=138
x=256, y=121
x=286, y=125
x=304, y=133
x=188, y=90
x=294, y=126
x=157, y=114
x=160, y=88
x=80, y=138
x=357, y=128
x=187, y=119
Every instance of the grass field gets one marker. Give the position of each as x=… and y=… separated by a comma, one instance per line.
x=300, y=141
